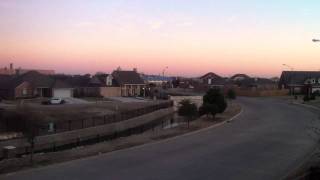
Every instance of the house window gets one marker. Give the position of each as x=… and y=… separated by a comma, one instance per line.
x=209, y=81
x=319, y=80
x=313, y=81
x=24, y=91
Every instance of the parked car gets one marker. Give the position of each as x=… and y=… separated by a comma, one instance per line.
x=53, y=101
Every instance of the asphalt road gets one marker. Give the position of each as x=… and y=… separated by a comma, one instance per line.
x=270, y=138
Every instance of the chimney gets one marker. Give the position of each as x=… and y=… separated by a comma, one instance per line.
x=135, y=69
x=11, y=66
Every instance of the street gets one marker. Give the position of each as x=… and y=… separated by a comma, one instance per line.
x=270, y=138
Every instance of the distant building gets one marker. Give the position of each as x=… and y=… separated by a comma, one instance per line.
x=12, y=71
x=213, y=80
x=130, y=82
x=300, y=81
x=257, y=83
x=33, y=84
x=156, y=80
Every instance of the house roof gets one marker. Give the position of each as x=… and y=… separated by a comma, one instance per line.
x=210, y=74
x=127, y=77
x=6, y=81
x=297, y=77
x=61, y=84
x=35, y=78
x=240, y=75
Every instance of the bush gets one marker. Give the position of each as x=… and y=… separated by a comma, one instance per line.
x=231, y=94
x=214, y=96
x=208, y=109
x=187, y=109
x=316, y=93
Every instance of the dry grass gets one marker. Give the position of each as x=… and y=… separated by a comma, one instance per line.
x=54, y=113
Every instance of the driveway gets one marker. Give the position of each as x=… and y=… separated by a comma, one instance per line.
x=76, y=101
x=266, y=141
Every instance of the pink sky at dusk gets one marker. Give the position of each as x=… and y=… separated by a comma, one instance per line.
x=190, y=38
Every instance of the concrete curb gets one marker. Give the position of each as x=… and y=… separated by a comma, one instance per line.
x=306, y=105
x=183, y=135
x=134, y=147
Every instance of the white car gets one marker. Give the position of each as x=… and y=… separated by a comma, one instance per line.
x=56, y=101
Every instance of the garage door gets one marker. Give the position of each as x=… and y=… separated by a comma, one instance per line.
x=62, y=93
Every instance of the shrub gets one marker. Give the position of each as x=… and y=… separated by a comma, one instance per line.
x=209, y=109
x=231, y=94
x=214, y=96
x=316, y=93
x=187, y=109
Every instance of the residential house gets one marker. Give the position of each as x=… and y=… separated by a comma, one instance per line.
x=32, y=84
x=257, y=83
x=130, y=83
x=99, y=85
x=213, y=80
x=62, y=89
x=300, y=81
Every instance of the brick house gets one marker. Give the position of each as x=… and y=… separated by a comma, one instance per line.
x=130, y=83
x=32, y=84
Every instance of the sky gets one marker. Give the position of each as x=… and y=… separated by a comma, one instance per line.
x=189, y=37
